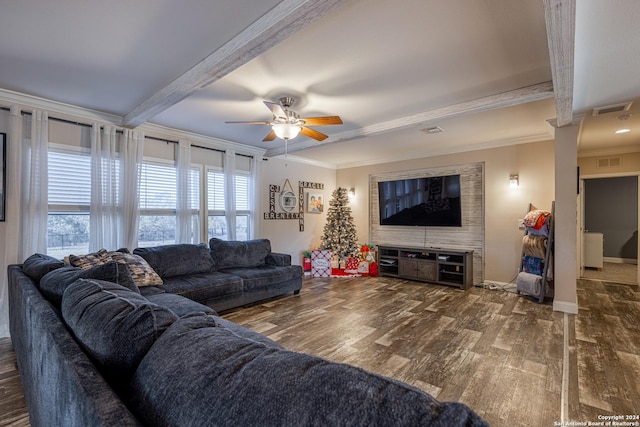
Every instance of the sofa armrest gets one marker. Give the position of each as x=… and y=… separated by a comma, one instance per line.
x=274, y=258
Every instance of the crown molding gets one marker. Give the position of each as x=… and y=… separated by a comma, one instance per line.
x=306, y=161
x=544, y=136
x=164, y=132
x=68, y=111
x=608, y=152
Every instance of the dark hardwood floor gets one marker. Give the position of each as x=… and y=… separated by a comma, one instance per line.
x=500, y=353
x=13, y=411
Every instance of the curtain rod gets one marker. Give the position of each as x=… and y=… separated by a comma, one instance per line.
x=57, y=119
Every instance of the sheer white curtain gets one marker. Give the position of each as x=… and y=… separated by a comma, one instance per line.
x=35, y=187
x=10, y=236
x=230, y=193
x=254, y=196
x=187, y=226
x=131, y=149
x=103, y=219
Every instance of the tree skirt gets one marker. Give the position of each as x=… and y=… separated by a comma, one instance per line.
x=336, y=272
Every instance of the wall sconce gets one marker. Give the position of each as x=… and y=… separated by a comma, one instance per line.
x=352, y=193
x=514, y=181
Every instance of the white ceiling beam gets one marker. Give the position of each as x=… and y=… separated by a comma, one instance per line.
x=560, y=19
x=502, y=100
x=273, y=27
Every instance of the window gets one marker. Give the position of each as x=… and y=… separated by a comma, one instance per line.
x=216, y=220
x=157, y=195
x=69, y=172
x=69, y=199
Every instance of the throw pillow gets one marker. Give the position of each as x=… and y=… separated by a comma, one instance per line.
x=140, y=270
x=38, y=265
x=89, y=260
x=114, y=325
x=54, y=283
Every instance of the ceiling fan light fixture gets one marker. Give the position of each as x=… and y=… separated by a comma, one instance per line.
x=286, y=130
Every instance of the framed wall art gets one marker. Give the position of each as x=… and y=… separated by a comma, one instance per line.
x=3, y=175
x=288, y=201
x=315, y=202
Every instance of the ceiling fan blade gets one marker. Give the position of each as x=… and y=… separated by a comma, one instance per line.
x=323, y=121
x=311, y=133
x=270, y=137
x=249, y=123
x=276, y=109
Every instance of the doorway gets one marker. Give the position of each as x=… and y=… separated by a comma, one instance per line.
x=609, y=225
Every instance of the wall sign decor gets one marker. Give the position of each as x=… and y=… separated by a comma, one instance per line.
x=288, y=199
x=302, y=185
x=3, y=175
x=287, y=202
x=272, y=214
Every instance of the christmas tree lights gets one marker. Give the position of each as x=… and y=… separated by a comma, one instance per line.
x=339, y=234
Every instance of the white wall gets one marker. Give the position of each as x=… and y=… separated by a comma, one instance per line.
x=533, y=162
x=284, y=234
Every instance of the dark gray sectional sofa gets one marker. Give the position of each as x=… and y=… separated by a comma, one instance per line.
x=97, y=350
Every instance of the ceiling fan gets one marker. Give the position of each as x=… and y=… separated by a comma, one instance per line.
x=287, y=124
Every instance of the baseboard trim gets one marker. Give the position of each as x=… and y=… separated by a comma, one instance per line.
x=565, y=307
x=615, y=260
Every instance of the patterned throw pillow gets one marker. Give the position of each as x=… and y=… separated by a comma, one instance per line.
x=140, y=270
x=87, y=261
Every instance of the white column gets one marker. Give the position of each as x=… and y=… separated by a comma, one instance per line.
x=566, y=219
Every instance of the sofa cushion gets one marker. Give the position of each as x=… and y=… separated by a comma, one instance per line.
x=278, y=259
x=54, y=283
x=114, y=325
x=177, y=260
x=250, y=253
x=264, y=276
x=180, y=305
x=204, y=287
x=199, y=374
x=38, y=265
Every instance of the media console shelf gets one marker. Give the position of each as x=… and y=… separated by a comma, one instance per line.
x=434, y=265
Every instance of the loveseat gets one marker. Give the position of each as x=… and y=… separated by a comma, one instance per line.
x=104, y=354
x=224, y=275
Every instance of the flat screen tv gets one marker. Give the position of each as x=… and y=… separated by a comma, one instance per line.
x=430, y=201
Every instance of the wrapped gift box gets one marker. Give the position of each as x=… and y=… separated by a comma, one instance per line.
x=306, y=264
x=321, y=263
x=363, y=267
x=368, y=266
x=351, y=266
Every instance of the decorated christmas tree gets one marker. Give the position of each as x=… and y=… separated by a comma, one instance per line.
x=339, y=234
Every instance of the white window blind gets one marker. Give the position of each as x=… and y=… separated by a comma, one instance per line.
x=69, y=179
x=216, y=193
x=215, y=190
x=158, y=187
x=242, y=193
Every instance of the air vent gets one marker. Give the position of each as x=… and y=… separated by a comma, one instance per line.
x=609, y=162
x=618, y=108
x=435, y=129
